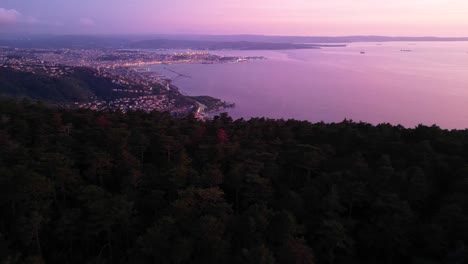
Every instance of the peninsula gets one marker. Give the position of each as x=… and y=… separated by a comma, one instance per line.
x=105, y=79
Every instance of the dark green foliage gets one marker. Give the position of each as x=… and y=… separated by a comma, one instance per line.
x=89, y=187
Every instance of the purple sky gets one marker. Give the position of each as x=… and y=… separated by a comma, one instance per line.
x=270, y=17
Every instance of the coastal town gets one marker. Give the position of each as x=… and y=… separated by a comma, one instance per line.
x=134, y=85
x=111, y=58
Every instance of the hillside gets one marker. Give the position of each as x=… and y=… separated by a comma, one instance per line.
x=79, y=86
x=84, y=87
x=93, y=187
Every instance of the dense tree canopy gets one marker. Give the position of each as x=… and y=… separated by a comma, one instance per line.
x=92, y=187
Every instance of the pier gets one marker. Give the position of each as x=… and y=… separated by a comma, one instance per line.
x=178, y=74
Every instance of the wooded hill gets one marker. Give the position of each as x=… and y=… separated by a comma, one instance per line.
x=89, y=187
x=79, y=86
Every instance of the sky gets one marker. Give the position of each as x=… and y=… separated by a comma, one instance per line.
x=448, y=18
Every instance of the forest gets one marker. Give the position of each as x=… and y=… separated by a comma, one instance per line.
x=79, y=186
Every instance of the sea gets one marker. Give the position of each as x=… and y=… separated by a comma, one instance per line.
x=401, y=83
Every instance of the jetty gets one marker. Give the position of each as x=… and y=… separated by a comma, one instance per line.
x=178, y=73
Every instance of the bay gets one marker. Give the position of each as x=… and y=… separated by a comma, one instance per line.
x=393, y=82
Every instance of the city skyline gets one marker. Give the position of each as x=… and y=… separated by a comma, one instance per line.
x=273, y=17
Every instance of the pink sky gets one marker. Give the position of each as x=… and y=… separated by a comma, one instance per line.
x=332, y=17
x=273, y=17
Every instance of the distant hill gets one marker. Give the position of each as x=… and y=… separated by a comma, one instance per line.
x=214, y=45
x=301, y=39
x=65, y=41
x=79, y=86
x=254, y=42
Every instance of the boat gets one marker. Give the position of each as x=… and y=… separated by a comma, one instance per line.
x=363, y=52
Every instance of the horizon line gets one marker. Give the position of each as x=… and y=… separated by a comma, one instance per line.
x=237, y=34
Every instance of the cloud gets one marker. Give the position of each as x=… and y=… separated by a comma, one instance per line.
x=8, y=16
x=31, y=20
x=86, y=22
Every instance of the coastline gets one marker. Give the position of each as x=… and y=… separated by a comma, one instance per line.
x=204, y=112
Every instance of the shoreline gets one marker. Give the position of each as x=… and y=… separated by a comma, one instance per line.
x=204, y=112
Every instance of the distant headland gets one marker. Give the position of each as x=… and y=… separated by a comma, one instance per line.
x=198, y=42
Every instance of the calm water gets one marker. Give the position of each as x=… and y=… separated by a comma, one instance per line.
x=426, y=86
